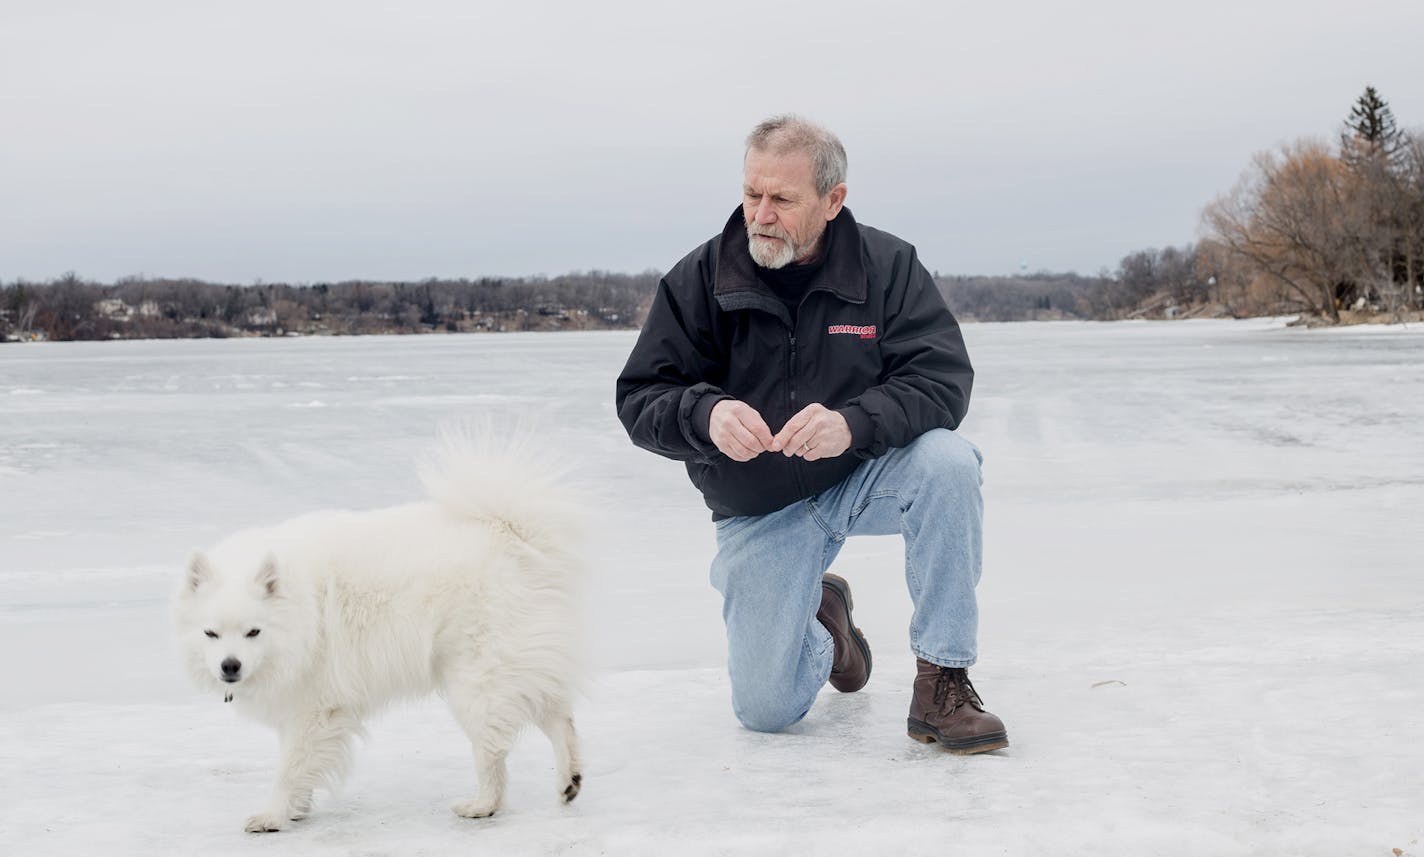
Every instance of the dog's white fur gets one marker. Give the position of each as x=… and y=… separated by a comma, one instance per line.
x=469, y=594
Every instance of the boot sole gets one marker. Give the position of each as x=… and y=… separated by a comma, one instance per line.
x=927, y=734
x=839, y=586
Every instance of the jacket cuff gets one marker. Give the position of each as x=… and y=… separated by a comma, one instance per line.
x=702, y=415
x=694, y=414
x=862, y=431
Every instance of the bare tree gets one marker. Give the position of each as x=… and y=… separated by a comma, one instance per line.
x=1291, y=220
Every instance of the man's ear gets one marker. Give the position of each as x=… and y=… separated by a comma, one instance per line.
x=836, y=198
x=267, y=575
x=198, y=571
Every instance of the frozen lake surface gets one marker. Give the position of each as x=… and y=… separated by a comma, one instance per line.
x=1203, y=605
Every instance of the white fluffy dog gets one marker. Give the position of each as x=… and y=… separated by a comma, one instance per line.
x=313, y=624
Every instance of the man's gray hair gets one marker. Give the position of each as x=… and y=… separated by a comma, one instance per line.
x=790, y=133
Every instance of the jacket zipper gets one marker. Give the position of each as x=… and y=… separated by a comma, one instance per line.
x=791, y=385
x=791, y=372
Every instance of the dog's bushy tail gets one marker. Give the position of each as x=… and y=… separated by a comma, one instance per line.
x=510, y=479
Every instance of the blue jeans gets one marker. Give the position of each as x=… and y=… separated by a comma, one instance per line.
x=768, y=569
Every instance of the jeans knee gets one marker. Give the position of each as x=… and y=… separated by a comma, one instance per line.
x=765, y=716
x=951, y=458
x=767, y=700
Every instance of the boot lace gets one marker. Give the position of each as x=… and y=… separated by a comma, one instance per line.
x=953, y=689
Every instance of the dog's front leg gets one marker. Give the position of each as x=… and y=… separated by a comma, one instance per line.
x=315, y=748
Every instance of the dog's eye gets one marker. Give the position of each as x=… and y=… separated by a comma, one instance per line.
x=212, y=634
x=254, y=632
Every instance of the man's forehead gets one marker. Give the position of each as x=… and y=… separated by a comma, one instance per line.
x=789, y=169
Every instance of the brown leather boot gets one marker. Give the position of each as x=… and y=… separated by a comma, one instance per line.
x=945, y=708
x=850, y=668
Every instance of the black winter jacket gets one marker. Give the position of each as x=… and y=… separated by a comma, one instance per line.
x=872, y=339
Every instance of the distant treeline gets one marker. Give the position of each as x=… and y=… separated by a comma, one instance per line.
x=1174, y=282
x=142, y=308
x=1327, y=231
x=72, y=308
x=1147, y=284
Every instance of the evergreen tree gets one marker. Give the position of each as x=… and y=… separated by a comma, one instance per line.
x=1370, y=131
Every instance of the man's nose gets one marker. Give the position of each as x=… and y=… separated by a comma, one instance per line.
x=765, y=214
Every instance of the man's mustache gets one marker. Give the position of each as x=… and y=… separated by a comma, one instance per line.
x=769, y=232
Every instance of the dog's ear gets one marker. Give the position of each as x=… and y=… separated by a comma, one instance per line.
x=267, y=575
x=198, y=571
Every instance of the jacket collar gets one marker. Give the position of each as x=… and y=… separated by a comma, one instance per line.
x=737, y=286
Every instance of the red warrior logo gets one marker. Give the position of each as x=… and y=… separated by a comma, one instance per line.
x=864, y=331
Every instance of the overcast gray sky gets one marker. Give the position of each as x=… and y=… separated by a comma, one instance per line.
x=306, y=141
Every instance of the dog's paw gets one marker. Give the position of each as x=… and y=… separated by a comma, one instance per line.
x=474, y=809
x=266, y=822
x=571, y=791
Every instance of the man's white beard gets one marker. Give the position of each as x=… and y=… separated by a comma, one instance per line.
x=770, y=254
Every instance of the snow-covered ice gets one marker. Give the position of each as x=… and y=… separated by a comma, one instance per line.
x=1203, y=605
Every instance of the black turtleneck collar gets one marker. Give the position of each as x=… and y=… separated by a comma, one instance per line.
x=789, y=282
x=742, y=284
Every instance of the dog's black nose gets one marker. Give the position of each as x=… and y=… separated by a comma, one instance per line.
x=230, y=668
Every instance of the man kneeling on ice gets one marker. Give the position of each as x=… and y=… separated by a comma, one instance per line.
x=799, y=318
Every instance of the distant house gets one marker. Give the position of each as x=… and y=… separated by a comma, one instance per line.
x=262, y=317
x=113, y=309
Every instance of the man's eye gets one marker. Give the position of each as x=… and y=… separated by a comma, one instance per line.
x=254, y=632
x=212, y=634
